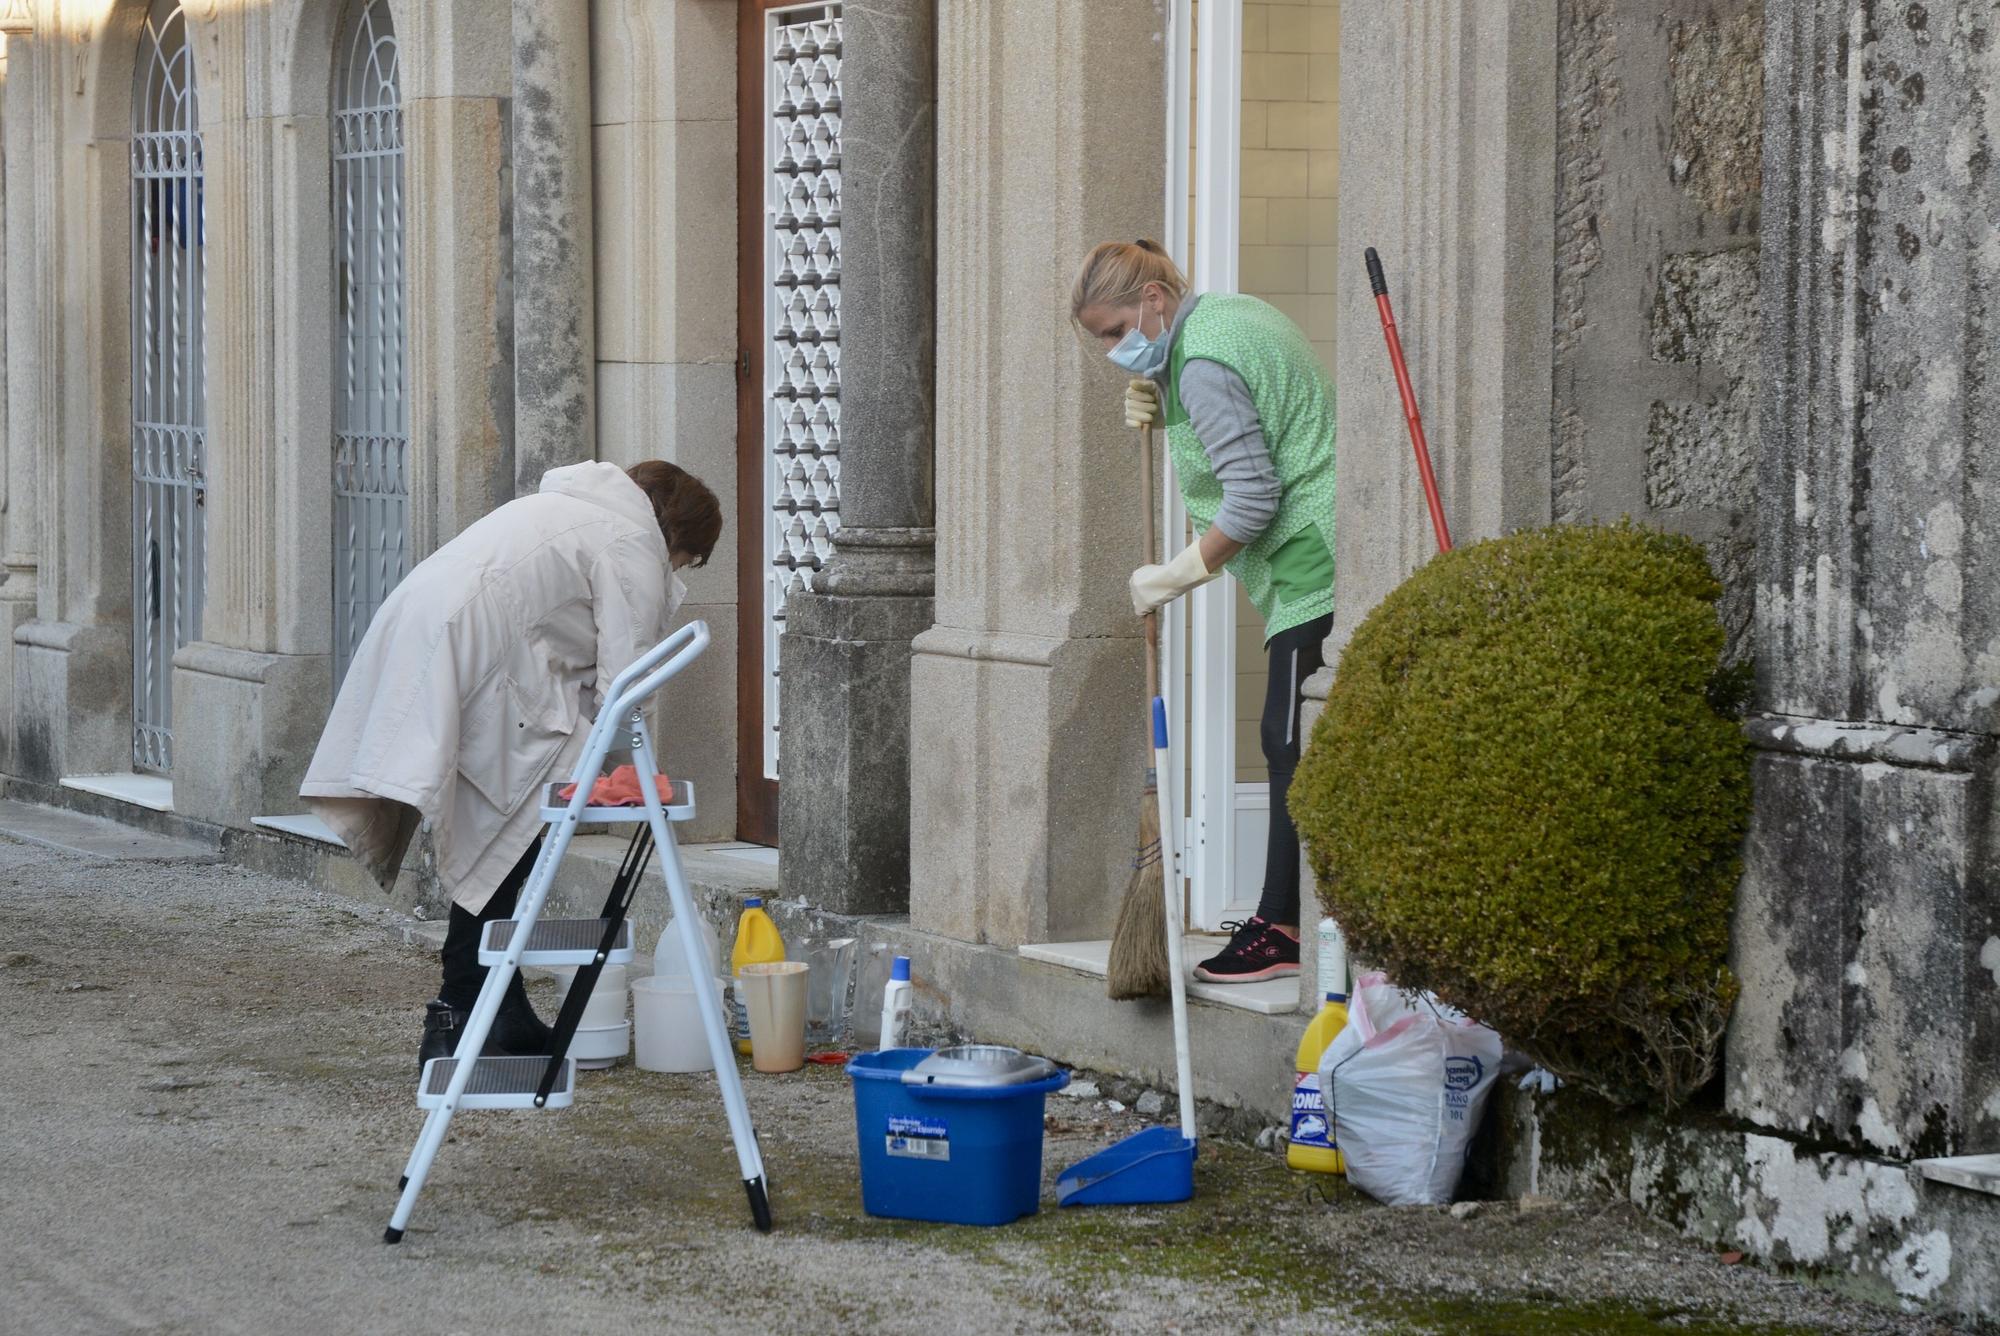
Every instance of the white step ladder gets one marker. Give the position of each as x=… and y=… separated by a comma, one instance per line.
x=548, y=1081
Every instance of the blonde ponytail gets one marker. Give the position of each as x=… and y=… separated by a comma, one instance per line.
x=1115, y=273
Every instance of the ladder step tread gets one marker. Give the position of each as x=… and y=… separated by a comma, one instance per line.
x=496, y=1083
x=563, y=941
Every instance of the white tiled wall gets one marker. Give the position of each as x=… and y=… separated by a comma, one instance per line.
x=1291, y=160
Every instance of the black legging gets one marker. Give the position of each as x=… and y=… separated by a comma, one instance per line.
x=1295, y=655
x=463, y=974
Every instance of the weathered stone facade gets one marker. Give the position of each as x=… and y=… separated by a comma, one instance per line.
x=1873, y=883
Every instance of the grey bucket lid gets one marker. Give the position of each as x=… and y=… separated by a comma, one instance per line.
x=979, y=1065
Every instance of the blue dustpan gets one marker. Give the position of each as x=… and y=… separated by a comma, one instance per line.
x=1156, y=1165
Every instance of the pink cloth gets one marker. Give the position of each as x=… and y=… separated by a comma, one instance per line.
x=621, y=788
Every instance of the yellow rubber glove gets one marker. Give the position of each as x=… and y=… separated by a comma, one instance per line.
x=1153, y=586
x=1142, y=403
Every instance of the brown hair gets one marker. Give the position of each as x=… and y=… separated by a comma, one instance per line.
x=690, y=517
x=1115, y=273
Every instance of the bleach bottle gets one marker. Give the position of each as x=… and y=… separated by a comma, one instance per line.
x=1312, y=1145
x=896, y=1004
x=757, y=943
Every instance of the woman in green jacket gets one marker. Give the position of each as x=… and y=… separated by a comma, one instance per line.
x=1248, y=413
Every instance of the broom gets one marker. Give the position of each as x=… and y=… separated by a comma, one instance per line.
x=1138, y=964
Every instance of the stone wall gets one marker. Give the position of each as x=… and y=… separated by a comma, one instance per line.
x=1885, y=1230
x=1658, y=168
x=663, y=97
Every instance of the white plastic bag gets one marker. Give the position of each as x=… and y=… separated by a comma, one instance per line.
x=1405, y=1083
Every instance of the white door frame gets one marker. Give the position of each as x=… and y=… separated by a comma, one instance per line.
x=1201, y=629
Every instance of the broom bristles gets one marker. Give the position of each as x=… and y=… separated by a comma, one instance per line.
x=1138, y=965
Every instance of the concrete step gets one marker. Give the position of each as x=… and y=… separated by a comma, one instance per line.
x=96, y=836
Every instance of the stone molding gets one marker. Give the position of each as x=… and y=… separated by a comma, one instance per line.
x=1871, y=744
x=951, y=642
x=881, y=563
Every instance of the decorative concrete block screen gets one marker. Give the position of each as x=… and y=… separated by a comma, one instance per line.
x=371, y=418
x=802, y=319
x=169, y=377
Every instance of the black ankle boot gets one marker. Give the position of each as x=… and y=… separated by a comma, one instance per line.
x=443, y=1024
x=517, y=1029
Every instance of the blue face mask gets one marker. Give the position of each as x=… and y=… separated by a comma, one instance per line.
x=1138, y=354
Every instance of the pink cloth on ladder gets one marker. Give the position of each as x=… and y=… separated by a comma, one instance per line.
x=621, y=788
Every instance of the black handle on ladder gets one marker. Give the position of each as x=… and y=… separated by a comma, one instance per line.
x=616, y=905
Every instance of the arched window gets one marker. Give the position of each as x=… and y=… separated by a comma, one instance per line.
x=371, y=418
x=169, y=377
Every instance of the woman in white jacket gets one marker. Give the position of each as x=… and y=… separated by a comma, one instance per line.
x=477, y=682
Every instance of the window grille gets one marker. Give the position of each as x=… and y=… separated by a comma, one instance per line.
x=802, y=319
x=169, y=377
x=371, y=428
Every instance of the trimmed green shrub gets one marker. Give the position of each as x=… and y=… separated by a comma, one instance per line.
x=1528, y=794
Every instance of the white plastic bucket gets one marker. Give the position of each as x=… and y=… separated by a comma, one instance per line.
x=666, y=1026
x=598, y=1046
x=606, y=1007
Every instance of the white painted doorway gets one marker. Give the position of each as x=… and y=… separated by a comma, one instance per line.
x=1252, y=168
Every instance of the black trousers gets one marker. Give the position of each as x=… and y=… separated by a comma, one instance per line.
x=464, y=976
x=1295, y=655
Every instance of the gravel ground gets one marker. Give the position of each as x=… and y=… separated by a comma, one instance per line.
x=209, y=1096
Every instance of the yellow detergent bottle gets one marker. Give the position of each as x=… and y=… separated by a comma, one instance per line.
x=1312, y=1146
x=757, y=943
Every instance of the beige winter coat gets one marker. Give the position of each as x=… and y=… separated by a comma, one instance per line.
x=479, y=677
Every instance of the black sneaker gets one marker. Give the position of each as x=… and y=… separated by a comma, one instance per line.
x=1258, y=950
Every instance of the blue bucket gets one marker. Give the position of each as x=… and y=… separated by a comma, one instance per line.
x=953, y=1154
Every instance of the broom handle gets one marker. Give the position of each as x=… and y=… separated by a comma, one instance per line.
x=1162, y=791
x=1379, y=284
x=1152, y=619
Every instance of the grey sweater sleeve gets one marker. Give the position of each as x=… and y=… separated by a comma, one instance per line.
x=1225, y=421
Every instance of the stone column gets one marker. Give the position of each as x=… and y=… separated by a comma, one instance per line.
x=663, y=92
x=1027, y=727
x=17, y=472
x=456, y=61
x=69, y=398
x=555, y=333
x=251, y=692
x=1439, y=101
x=844, y=818
x=1867, y=933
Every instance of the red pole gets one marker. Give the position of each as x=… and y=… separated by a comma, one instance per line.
x=1380, y=285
